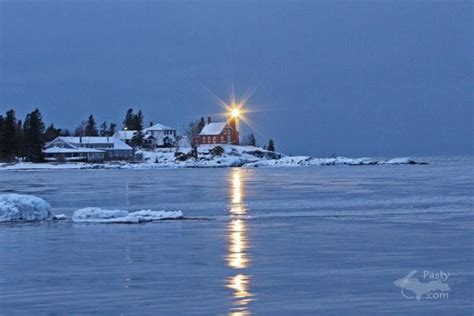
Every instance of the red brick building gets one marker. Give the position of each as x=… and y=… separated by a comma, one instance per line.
x=219, y=133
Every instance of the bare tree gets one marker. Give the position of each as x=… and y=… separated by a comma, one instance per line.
x=192, y=131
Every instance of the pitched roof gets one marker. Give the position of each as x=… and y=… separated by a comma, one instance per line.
x=61, y=150
x=87, y=139
x=213, y=129
x=158, y=127
x=76, y=140
x=125, y=134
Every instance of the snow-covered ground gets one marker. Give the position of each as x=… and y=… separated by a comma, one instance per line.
x=212, y=156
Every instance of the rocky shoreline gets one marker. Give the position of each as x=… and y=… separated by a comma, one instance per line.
x=212, y=157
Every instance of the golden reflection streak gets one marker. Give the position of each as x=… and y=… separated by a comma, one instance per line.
x=237, y=244
x=236, y=190
x=237, y=236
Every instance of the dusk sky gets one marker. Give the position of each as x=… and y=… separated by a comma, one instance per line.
x=349, y=78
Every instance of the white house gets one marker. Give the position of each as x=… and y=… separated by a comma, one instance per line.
x=160, y=135
x=87, y=149
x=126, y=135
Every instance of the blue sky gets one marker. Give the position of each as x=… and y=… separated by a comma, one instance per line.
x=346, y=77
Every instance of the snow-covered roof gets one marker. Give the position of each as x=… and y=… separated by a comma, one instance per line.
x=158, y=127
x=61, y=150
x=78, y=141
x=87, y=139
x=125, y=134
x=213, y=129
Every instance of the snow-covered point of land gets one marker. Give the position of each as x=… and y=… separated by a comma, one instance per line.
x=208, y=156
x=19, y=207
x=399, y=161
x=211, y=156
x=98, y=215
x=310, y=161
x=249, y=156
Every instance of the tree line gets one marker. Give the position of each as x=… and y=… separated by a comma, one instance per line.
x=22, y=138
x=26, y=138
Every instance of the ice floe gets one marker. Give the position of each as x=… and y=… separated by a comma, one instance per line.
x=19, y=207
x=98, y=215
x=401, y=161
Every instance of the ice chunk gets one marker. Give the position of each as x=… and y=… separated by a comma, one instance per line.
x=18, y=207
x=98, y=215
x=399, y=161
x=156, y=215
x=59, y=217
x=94, y=214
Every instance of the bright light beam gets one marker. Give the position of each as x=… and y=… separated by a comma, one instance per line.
x=235, y=112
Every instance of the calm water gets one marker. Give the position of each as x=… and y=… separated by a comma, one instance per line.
x=327, y=240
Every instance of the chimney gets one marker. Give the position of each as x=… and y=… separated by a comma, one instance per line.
x=208, y=120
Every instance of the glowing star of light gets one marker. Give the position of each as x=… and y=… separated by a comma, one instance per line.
x=235, y=112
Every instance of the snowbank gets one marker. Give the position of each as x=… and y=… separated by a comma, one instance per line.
x=98, y=215
x=18, y=207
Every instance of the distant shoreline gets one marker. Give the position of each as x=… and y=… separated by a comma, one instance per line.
x=229, y=157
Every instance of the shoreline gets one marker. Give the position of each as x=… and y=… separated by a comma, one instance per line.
x=312, y=162
x=210, y=156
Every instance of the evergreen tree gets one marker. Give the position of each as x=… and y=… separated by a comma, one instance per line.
x=129, y=119
x=9, y=136
x=138, y=126
x=2, y=123
x=33, y=129
x=65, y=132
x=139, y=121
x=91, y=128
x=80, y=130
x=253, y=140
x=20, y=140
x=201, y=124
x=271, y=145
x=111, y=130
x=51, y=133
x=250, y=140
x=103, y=129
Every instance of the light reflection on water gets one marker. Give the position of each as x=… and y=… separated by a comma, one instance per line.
x=237, y=257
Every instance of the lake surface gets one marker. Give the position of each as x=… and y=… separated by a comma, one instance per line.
x=317, y=240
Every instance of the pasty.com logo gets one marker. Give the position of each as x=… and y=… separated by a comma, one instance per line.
x=433, y=286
